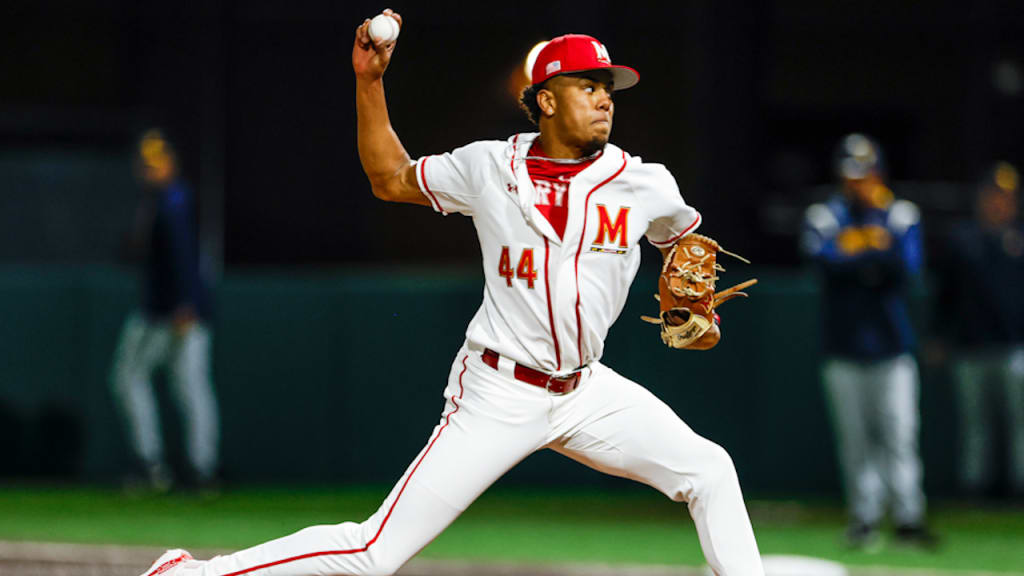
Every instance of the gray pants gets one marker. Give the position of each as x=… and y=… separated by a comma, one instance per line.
x=143, y=347
x=875, y=409
x=989, y=385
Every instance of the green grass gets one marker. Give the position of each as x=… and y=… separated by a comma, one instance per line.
x=504, y=525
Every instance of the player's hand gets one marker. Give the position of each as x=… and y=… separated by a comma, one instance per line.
x=851, y=241
x=877, y=238
x=934, y=352
x=708, y=340
x=369, y=61
x=183, y=319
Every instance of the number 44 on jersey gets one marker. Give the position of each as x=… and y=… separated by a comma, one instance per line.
x=524, y=270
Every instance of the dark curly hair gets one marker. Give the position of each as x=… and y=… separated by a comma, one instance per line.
x=528, y=102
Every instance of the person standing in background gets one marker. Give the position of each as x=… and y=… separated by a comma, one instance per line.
x=170, y=329
x=867, y=247
x=982, y=316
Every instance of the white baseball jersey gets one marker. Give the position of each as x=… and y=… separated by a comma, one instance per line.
x=549, y=301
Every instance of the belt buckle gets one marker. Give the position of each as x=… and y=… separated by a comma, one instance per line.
x=547, y=385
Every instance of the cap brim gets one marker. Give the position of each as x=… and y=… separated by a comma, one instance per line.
x=623, y=77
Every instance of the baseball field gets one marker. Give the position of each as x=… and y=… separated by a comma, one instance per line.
x=82, y=530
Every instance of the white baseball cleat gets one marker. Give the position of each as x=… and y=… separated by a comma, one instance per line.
x=168, y=563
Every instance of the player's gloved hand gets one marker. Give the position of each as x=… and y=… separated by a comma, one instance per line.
x=854, y=240
x=708, y=340
x=851, y=241
x=686, y=291
x=877, y=237
x=369, y=61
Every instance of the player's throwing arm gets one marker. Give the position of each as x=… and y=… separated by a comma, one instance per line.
x=386, y=163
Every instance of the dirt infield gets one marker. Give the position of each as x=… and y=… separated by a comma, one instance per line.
x=47, y=559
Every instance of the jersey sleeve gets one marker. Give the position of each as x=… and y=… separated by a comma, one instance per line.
x=904, y=222
x=451, y=180
x=673, y=217
x=818, y=233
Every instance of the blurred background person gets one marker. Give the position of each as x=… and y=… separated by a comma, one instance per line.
x=981, y=312
x=867, y=247
x=170, y=328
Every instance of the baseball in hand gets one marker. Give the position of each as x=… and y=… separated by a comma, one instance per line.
x=383, y=29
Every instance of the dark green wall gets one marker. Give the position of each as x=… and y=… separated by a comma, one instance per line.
x=337, y=377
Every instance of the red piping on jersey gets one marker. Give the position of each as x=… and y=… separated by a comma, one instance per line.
x=583, y=233
x=551, y=315
x=447, y=420
x=681, y=234
x=423, y=178
x=512, y=162
x=183, y=557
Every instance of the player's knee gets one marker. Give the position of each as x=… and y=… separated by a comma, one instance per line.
x=121, y=379
x=716, y=470
x=698, y=473
x=384, y=567
x=385, y=559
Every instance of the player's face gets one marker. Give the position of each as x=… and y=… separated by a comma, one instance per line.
x=583, y=109
x=155, y=161
x=864, y=190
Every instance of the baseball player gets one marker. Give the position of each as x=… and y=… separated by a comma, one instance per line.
x=559, y=216
x=982, y=279
x=867, y=246
x=170, y=329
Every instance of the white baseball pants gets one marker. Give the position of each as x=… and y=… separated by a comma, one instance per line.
x=143, y=347
x=491, y=422
x=875, y=407
x=989, y=385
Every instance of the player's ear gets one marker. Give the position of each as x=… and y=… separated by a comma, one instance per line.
x=546, y=102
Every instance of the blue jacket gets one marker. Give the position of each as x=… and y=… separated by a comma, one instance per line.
x=865, y=311
x=980, y=301
x=173, y=278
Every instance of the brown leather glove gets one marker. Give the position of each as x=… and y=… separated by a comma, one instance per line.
x=686, y=291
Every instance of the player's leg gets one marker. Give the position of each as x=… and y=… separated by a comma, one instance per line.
x=190, y=374
x=487, y=426
x=141, y=346
x=899, y=421
x=1014, y=405
x=616, y=426
x=975, y=431
x=849, y=403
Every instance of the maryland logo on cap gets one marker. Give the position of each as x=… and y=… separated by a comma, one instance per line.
x=579, y=53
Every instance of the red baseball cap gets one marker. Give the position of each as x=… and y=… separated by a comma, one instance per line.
x=579, y=53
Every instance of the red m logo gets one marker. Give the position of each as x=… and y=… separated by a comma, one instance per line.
x=615, y=229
